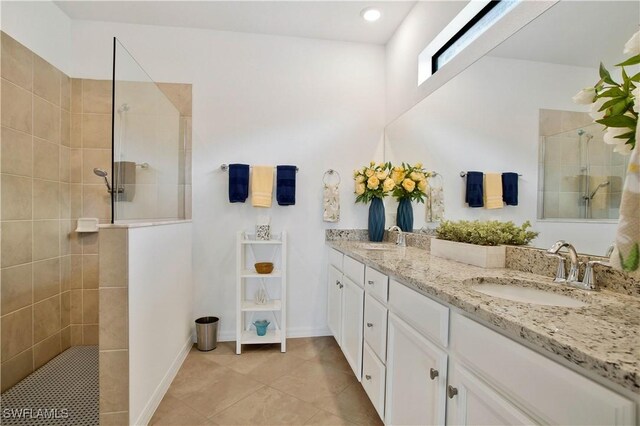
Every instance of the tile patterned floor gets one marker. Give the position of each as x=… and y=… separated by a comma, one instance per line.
x=310, y=384
x=64, y=392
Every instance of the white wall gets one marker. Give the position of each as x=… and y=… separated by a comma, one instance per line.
x=160, y=312
x=261, y=100
x=42, y=27
x=419, y=28
x=487, y=119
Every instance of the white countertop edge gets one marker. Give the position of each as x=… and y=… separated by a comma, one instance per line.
x=142, y=224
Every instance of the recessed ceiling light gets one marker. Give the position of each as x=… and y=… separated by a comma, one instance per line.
x=370, y=14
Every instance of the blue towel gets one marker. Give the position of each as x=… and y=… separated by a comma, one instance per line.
x=238, y=183
x=475, y=189
x=510, y=188
x=286, y=185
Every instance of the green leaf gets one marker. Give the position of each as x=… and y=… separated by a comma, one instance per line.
x=614, y=92
x=618, y=108
x=618, y=121
x=636, y=78
x=604, y=75
x=611, y=103
x=626, y=135
x=633, y=260
x=634, y=60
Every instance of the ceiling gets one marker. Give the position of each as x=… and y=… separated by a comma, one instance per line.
x=329, y=20
x=579, y=33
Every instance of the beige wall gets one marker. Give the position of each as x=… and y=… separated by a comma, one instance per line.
x=90, y=148
x=35, y=216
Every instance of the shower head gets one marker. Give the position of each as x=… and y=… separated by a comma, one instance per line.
x=103, y=174
x=595, y=191
x=100, y=172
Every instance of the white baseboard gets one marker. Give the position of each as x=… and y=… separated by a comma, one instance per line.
x=161, y=390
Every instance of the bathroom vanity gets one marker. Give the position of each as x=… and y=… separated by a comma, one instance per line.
x=428, y=349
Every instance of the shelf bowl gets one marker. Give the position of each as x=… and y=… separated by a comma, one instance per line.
x=264, y=267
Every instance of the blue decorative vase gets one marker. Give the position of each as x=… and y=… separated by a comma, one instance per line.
x=376, y=220
x=261, y=327
x=404, y=218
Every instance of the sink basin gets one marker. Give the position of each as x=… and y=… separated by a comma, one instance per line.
x=518, y=293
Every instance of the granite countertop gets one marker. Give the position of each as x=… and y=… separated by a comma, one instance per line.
x=603, y=336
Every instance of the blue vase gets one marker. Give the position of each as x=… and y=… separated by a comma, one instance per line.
x=261, y=327
x=404, y=218
x=376, y=220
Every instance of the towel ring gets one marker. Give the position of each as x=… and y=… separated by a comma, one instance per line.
x=331, y=172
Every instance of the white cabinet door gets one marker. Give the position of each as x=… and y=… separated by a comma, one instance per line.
x=334, y=311
x=416, y=377
x=352, y=315
x=471, y=402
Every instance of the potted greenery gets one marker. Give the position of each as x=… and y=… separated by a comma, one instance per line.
x=372, y=184
x=479, y=243
x=411, y=185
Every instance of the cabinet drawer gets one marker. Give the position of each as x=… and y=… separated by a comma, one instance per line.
x=427, y=316
x=553, y=393
x=354, y=270
x=373, y=379
x=375, y=326
x=377, y=284
x=335, y=258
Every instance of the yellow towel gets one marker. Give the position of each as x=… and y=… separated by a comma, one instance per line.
x=493, y=191
x=261, y=186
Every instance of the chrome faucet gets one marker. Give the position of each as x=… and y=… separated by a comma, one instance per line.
x=589, y=279
x=572, y=278
x=401, y=241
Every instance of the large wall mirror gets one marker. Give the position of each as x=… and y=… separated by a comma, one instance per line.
x=512, y=111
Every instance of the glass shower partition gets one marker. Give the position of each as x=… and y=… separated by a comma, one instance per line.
x=148, y=161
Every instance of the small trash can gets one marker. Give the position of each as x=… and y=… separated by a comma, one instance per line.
x=207, y=333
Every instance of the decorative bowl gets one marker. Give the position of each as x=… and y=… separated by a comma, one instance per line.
x=264, y=267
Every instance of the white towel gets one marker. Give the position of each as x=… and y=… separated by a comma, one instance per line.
x=626, y=254
x=331, y=202
x=434, y=201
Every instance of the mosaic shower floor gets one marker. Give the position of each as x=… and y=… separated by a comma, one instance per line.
x=65, y=391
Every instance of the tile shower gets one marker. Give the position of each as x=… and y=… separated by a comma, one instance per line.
x=55, y=131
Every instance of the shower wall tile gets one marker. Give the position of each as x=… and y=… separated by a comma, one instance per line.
x=46, y=120
x=46, y=159
x=46, y=200
x=96, y=96
x=96, y=131
x=89, y=271
x=65, y=338
x=17, y=288
x=16, y=243
x=46, y=239
x=16, y=63
x=65, y=92
x=16, y=369
x=46, y=81
x=16, y=332
x=65, y=128
x=65, y=164
x=76, y=95
x=96, y=201
x=46, y=350
x=114, y=381
x=17, y=155
x=46, y=318
x=76, y=335
x=90, y=334
x=16, y=197
x=76, y=131
x=46, y=279
x=17, y=107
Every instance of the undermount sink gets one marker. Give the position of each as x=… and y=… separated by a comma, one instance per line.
x=524, y=292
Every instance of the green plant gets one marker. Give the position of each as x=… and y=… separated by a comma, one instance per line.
x=615, y=105
x=489, y=233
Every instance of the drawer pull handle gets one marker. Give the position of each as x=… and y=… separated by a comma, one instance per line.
x=433, y=373
x=368, y=377
x=370, y=282
x=337, y=282
x=369, y=324
x=341, y=285
x=451, y=391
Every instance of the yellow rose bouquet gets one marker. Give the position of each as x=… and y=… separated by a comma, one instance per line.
x=410, y=182
x=373, y=181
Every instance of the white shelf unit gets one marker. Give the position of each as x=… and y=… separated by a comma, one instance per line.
x=248, y=252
